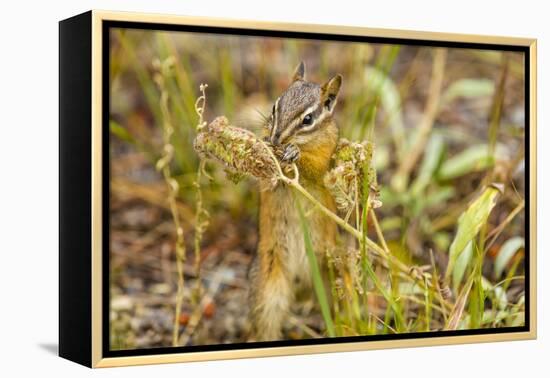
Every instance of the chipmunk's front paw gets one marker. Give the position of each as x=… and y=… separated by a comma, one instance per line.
x=291, y=153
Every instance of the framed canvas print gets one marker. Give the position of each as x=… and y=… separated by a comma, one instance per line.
x=235, y=189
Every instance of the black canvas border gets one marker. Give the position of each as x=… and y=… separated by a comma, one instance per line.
x=75, y=189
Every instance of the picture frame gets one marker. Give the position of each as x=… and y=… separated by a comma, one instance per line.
x=85, y=174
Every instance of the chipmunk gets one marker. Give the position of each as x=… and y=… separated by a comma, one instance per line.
x=302, y=126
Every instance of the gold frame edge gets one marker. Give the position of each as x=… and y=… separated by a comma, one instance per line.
x=97, y=187
x=98, y=16
x=533, y=188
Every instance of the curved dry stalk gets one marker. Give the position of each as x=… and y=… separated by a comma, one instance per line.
x=201, y=215
x=163, y=165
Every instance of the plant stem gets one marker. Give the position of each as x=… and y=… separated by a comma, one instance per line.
x=379, y=231
x=200, y=226
x=163, y=165
x=201, y=215
x=346, y=226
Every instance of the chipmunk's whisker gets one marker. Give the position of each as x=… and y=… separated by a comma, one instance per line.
x=264, y=117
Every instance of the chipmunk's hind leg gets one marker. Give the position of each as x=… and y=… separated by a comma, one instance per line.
x=270, y=297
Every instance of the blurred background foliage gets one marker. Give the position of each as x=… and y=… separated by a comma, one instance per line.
x=449, y=130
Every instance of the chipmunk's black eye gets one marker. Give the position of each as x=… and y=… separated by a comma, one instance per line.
x=308, y=119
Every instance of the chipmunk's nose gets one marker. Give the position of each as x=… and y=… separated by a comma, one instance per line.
x=276, y=138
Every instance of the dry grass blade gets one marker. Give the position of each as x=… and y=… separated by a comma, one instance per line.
x=458, y=309
x=163, y=166
x=494, y=234
x=498, y=102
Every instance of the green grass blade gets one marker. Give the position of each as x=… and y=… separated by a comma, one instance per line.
x=121, y=133
x=316, y=275
x=495, y=117
x=228, y=86
x=432, y=158
x=397, y=312
x=144, y=78
x=124, y=135
x=384, y=64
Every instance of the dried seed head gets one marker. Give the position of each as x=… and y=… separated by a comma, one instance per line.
x=239, y=150
x=356, y=153
x=352, y=174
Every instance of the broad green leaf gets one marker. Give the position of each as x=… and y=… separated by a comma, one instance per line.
x=316, y=275
x=473, y=159
x=468, y=88
x=507, y=251
x=432, y=157
x=462, y=263
x=469, y=224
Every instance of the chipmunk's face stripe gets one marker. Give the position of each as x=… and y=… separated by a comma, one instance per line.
x=297, y=122
x=275, y=126
x=318, y=114
x=313, y=127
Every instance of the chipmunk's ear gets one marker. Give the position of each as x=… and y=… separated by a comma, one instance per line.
x=299, y=72
x=329, y=92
